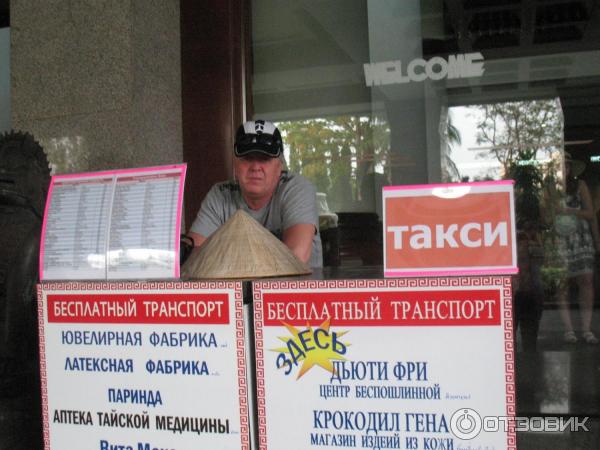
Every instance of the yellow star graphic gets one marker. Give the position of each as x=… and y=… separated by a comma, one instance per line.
x=316, y=347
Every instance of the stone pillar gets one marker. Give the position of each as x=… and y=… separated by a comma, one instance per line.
x=98, y=83
x=4, y=79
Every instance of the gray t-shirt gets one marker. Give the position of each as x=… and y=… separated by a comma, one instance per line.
x=293, y=202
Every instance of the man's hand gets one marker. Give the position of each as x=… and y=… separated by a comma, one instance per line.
x=298, y=238
x=198, y=238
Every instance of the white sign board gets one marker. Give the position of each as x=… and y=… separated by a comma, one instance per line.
x=399, y=363
x=143, y=366
x=121, y=224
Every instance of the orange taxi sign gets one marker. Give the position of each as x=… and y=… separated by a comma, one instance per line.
x=449, y=229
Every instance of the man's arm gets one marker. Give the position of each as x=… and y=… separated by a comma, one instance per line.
x=198, y=238
x=298, y=238
x=300, y=219
x=207, y=220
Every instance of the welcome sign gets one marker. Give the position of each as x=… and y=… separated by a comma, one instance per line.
x=449, y=229
x=437, y=68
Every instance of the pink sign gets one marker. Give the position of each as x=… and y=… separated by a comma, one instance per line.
x=449, y=229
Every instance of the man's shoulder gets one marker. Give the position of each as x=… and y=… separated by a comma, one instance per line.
x=226, y=186
x=295, y=188
x=222, y=192
x=293, y=179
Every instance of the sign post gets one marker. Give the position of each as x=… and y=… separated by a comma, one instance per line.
x=449, y=229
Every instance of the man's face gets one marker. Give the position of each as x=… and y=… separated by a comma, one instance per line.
x=257, y=175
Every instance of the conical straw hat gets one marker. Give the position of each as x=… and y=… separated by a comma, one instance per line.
x=242, y=248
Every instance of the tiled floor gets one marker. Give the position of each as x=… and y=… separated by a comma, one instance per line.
x=20, y=423
x=581, y=440
x=559, y=380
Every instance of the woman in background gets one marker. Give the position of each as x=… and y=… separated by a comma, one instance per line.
x=577, y=227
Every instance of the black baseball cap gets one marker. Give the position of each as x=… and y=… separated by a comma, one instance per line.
x=258, y=136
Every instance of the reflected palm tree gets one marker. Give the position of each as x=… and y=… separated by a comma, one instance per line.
x=453, y=138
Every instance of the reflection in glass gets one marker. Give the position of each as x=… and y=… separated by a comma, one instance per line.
x=537, y=97
x=67, y=154
x=490, y=138
x=346, y=157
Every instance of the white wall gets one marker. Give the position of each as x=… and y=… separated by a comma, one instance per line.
x=4, y=79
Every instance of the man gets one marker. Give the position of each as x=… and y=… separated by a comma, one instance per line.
x=283, y=203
